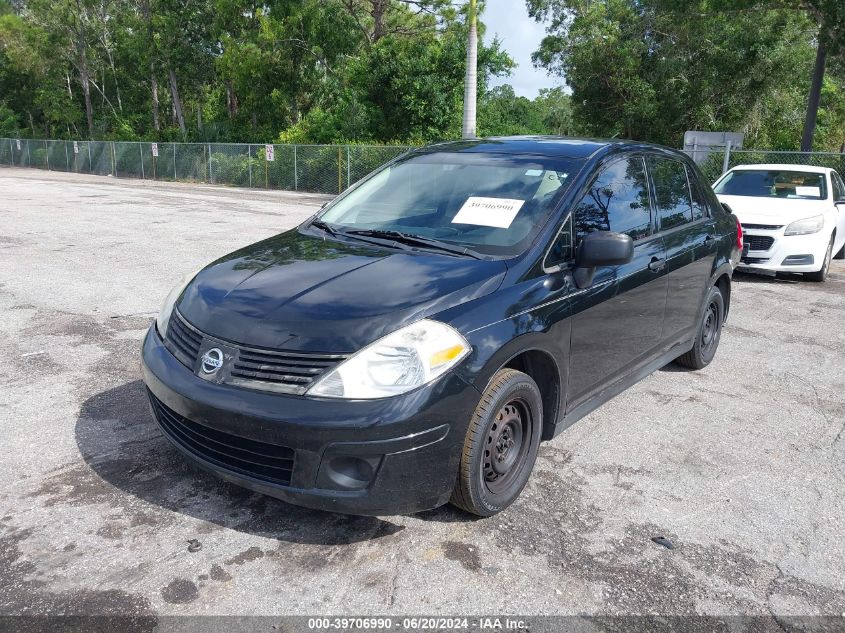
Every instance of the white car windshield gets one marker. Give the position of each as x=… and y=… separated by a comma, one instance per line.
x=801, y=185
x=490, y=203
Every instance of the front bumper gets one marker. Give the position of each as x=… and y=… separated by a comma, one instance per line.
x=793, y=253
x=390, y=456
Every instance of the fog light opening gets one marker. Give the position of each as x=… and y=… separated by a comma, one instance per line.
x=796, y=260
x=352, y=473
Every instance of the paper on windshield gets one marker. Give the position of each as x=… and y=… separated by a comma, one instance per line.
x=495, y=212
x=815, y=192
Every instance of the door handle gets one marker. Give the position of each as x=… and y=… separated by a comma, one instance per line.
x=656, y=264
x=708, y=241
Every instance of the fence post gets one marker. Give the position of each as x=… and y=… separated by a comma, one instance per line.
x=210, y=174
x=348, y=169
x=141, y=152
x=174, y=162
x=339, y=172
x=28, y=154
x=295, y=171
x=249, y=162
x=90, y=166
x=727, y=160
x=67, y=158
x=47, y=155
x=113, y=160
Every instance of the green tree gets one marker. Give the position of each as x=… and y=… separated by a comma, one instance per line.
x=9, y=124
x=401, y=88
x=652, y=69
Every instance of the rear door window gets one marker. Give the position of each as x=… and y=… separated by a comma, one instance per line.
x=699, y=204
x=671, y=192
x=617, y=200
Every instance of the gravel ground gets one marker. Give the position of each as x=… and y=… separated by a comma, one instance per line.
x=740, y=466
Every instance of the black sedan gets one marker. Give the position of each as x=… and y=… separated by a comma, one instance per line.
x=413, y=342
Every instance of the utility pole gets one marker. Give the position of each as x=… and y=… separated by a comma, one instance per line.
x=468, y=129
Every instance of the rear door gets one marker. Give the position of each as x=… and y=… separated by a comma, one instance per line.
x=690, y=238
x=617, y=320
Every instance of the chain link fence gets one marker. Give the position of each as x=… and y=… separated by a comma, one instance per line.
x=716, y=161
x=314, y=168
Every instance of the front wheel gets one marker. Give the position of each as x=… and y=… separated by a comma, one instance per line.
x=501, y=444
x=709, y=333
x=821, y=275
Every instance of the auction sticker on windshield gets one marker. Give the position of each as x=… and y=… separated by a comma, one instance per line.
x=495, y=212
x=813, y=192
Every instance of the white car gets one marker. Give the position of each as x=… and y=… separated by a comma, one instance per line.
x=792, y=216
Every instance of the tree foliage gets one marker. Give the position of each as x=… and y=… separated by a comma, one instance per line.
x=236, y=70
x=651, y=69
x=325, y=71
x=502, y=112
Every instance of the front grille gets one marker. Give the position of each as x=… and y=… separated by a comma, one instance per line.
x=754, y=260
x=250, y=367
x=281, y=368
x=268, y=462
x=183, y=341
x=758, y=242
x=762, y=227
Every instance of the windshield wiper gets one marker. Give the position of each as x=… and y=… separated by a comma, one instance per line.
x=414, y=240
x=328, y=228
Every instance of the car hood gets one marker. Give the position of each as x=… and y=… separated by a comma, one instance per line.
x=754, y=210
x=299, y=292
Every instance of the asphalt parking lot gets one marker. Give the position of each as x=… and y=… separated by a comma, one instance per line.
x=741, y=466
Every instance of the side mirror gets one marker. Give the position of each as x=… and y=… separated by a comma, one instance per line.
x=601, y=248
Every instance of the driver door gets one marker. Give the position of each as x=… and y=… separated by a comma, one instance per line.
x=618, y=320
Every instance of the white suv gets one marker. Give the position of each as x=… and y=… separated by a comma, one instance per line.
x=792, y=216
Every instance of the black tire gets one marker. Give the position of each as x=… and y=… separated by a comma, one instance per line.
x=709, y=333
x=821, y=275
x=501, y=444
x=841, y=253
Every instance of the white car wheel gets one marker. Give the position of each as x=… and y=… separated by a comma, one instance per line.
x=821, y=275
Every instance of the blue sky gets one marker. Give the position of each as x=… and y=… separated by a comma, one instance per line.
x=520, y=36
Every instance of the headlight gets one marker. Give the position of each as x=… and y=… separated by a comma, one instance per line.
x=163, y=318
x=397, y=363
x=805, y=226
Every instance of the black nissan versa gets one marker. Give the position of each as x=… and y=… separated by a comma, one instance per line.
x=413, y=342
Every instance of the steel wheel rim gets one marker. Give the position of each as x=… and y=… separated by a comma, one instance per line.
x=710, y=327
x=506, y=445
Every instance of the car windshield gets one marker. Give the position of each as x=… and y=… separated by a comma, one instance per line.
x=799, y=185
x=489, y=203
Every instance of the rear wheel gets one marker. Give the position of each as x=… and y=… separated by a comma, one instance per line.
x=501, y=444
x=709, y=333
x=821, y=275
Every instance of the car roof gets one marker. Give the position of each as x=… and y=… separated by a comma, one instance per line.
x=556, y=146
x=784, y=167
